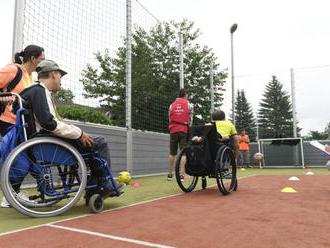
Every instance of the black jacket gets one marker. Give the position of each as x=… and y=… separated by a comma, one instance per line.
x=42, y=113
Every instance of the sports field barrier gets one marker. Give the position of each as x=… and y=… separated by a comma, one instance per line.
x=150, y=150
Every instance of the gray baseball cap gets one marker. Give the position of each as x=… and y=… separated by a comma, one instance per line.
x=49, y=65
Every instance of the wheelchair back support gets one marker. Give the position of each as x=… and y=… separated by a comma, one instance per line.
x=201, y=155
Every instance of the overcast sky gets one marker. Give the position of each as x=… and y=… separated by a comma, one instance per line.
x=272, y=37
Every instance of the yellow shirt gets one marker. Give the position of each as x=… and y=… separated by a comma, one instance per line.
x=7, y=74
x=225, y=129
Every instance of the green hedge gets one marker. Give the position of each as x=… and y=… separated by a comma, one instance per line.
x=83, y=113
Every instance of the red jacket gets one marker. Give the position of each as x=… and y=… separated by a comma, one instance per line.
x=179, y=116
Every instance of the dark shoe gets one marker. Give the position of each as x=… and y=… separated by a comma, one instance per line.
x=119, y=191
x=114, y=192
x=226, y=174
x=169, y=177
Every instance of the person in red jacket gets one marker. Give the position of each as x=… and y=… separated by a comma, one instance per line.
x=179, y=120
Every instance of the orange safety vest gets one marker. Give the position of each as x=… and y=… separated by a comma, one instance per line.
x=7, y=74
x=243, y=144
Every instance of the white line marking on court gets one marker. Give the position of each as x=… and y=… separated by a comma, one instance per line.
x=109, y=236
x=109, y=210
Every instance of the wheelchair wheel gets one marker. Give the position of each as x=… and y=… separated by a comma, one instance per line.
x=204, y=183
x=226, y=170
x=186, y=182
x=43, y=177
x=96, y=203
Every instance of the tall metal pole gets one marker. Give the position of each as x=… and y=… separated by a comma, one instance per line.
x=18, y=26
x=232, y=30
x=129, y=139
x=211, y=90
x=181, y=60
x=257, y=127
x=293, y=96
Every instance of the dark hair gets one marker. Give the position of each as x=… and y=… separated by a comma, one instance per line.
x=218, y=115
x=182, y=93
x=29, y=52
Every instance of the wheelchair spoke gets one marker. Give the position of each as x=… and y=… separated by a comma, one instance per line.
x=186, y=182
x=226, y=170
x=45, y=177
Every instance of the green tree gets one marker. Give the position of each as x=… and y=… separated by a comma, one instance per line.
x=317, y=135
x=275, y=114
x=155, y=76
x=63, y=96
x=244, y=118
x=83, y=113
x=327, y=129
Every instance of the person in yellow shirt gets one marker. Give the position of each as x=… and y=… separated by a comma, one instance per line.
x=25, y=63
x=226, y=129
x=244, y=153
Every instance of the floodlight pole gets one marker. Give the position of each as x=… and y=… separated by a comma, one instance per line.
x=293, y=96
x=18, y=26
x=129, y=138
x=232, y=30
x=181, y=60
x=211, y=90
x=257, y=128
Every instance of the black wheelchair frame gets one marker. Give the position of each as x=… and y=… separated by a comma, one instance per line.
x=211, y=157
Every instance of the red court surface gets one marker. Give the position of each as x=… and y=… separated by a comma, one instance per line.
x=257, y=215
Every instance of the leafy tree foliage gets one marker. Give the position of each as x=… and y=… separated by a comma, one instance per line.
x=327, y=129
x=275, y=114
x=316, y=135
x=155, y=76
x=83, y=113
x=63, y=96
x=244, y=118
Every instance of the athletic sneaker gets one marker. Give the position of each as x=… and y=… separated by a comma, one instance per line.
x=182, y=178
x=5, y=203
x=169, y=177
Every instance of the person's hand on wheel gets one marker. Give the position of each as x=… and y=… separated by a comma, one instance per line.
x=86, y=140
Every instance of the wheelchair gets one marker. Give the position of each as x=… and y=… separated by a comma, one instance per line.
x=210, y=157
x=46, y=176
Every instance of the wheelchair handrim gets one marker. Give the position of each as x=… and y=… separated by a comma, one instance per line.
x=8, y=192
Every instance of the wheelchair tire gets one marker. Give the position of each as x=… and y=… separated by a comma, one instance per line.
x=53, y=180
x=204, y=183
x=189, y=183
x=95, y=203
x=226, y=170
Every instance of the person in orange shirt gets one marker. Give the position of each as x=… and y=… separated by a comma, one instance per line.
x=244, y=154
x=21, y=70
x=26, y=61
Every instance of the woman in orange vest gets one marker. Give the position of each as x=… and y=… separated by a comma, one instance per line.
x=15, y=78
x=244, y=143
x=25, y=63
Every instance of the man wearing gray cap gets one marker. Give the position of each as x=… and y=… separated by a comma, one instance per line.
x=43, y=117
